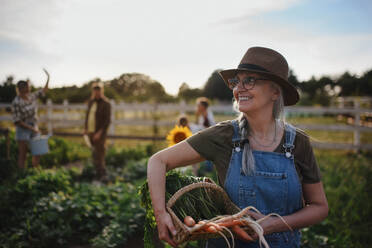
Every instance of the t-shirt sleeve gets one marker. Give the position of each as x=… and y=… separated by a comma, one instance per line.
x=306, y=161
x=214, y=142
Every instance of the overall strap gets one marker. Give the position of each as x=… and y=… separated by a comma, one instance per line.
x=236, y=135
x=236, y=139
x=290, y=134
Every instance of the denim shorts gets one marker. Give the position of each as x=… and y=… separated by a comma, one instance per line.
x=24, y=133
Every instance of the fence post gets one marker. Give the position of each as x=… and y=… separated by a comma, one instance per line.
x=182, y=107
x=65, y=109
x=341, y=102
x=155, y=128
x=357, y=124
x=49, y=116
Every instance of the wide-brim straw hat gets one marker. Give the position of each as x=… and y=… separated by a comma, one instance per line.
x=270, y=63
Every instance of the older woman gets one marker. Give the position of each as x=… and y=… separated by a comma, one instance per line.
x=24, y=111
x=261, y=161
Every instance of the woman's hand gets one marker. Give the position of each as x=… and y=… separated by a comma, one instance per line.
x=166, y=228
x=97, y=136
x=266, y=223
x=243, y=235
x=35, y=130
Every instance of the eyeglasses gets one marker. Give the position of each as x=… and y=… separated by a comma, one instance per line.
x=247, y=82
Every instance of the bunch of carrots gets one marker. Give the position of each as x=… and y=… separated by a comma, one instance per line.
x=237, y=223
x=203, y=212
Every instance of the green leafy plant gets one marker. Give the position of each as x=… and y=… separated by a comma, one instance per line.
x=196, y=203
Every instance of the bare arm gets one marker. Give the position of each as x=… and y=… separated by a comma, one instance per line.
x=181, y=154
x=315, y=210
x=45, y=89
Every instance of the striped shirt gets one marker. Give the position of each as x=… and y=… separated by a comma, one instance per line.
x=26, y=110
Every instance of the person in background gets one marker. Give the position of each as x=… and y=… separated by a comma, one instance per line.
x=204, y=116
x=97, y=121
x=24, y=115
x=261, y=160
x=183, y=121
x=204, y=119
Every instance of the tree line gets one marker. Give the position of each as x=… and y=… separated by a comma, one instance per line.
x=137, y=87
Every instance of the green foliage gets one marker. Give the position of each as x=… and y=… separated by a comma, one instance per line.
x=63, y=207
x=59, y=208
x=137, y=87
x=8, y=165
x=215, y=88
x=129, y=87
x=188, y=94
x=346, y=178
x=30, y=186
x=127, y=222
x=196, y=203
x=61, y=151
x=119, y=157
x=53, y=212
x=7, y=90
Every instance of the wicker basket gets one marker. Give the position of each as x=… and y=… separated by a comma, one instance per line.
x=183, y=231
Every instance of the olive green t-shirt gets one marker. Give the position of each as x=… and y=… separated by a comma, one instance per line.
x=215, y=144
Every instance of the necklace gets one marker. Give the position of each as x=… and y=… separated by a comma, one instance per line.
x=269, y=145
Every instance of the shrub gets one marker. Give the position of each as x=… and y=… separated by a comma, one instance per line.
x=52, y=211
x=346, y=179
x=61, y=151
x=119, y=157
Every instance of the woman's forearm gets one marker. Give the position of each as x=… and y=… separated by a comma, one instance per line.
x=156, y=170
x=181, y=154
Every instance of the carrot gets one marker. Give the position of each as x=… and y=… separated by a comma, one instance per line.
x=189, y=221
x=218, y=227
x=241, y=233
x=211, y=229
x=231, y=223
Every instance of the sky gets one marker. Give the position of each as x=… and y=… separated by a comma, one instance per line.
x=178, y=41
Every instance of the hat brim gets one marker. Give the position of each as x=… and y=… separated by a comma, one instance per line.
x=290, y=93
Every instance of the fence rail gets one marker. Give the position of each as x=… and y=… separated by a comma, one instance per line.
x=72, y=115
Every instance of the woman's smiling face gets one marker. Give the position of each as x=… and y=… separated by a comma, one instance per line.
x=261, y=95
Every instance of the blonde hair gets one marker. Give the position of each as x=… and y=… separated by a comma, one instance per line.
x=248, y=162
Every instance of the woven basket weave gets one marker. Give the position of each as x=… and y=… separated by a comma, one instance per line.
x=183, y=233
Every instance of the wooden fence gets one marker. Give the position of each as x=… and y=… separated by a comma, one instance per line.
x=57, y=116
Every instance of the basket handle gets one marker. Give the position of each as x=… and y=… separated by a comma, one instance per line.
x=190, y=187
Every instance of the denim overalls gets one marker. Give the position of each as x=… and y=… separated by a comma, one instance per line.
x=274, y=187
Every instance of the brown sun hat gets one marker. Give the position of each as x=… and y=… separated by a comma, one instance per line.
x=270, y=63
